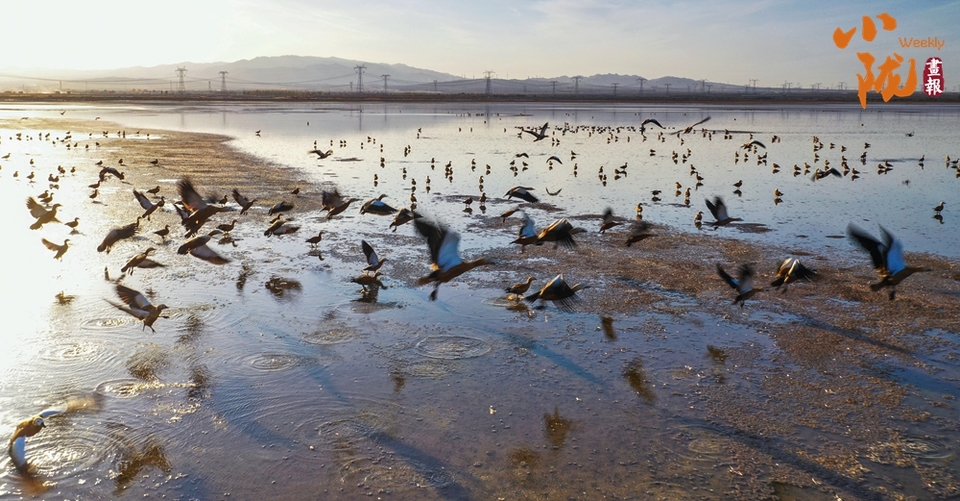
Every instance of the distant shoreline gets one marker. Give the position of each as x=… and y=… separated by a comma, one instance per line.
x=797, y=97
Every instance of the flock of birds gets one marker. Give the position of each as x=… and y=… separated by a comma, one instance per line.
x=195, y=211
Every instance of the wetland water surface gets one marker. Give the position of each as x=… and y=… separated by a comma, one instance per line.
x=274, y=376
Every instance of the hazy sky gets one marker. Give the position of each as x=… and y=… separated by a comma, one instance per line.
x=725, y=40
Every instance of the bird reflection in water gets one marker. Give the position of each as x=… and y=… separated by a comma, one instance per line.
x=719, y=358
x=606, y=323
x=199, y=383
x=524, y=458
x=399, y=379
x=193, y=328
x=245, y=272
x=556, y=428
x=135, y=455
x=637, y=379
x=283, y=288
x=369, y=293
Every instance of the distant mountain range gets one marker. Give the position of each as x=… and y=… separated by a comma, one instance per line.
x=330, y=74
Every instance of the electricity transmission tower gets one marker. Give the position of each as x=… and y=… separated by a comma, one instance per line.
x=641, y=80
x=223, y=82
x=488, y=75
x=576, y=84
x=360, y=69
x=181, y=87
x=384, y=77
x=554, y=82
x=615, y=84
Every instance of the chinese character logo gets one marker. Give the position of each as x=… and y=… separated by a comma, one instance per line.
x=933, y=77
x=886, y=82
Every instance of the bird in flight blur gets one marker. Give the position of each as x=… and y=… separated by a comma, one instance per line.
x=446, y=262
x=743, y=284
x=136, y=304
x=558, y=291
x=719, y=211
x=539, y=135
x=887, y=256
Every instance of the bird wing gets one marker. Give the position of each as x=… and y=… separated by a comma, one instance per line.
x=869, y=244
x=651, y=121
x=371, y=254
x=718, y=209
x=208, y=254
x=732, y=282
x=240, y=199
x=608, y=215
x=117, y=234
x=893, y=252
x=527, y=230
x=443, y=243
x=188, y=194
x=745, y=277
x=50, y=245
x=133, y=297
x=36, y=210
x=18, y=452
x=144, y=201
x=555, y=158
x=331, y=199
x=136, y=312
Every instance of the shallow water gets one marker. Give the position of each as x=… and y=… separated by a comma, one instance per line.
x=276, y=377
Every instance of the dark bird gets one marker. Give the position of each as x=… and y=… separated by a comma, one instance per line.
x=445, y=258
x=792, y=270
x=377, y=206
x=59, y=249
x=42, y=215
x=162, y=233
x=887, y=256
x=197, y=247
x=939, y=208
x=148, y=206
x=280, y=207
x=639, y=231
x=743, y=284
x=719, y=211
x=608, y=220
x=334, y=203
x=154, y=191
x=280, y=227
x=404, y=216
x=199, y=210
x=820, y=174
x=110, y=170
x=560, y=232
x=557, y=291
x=553, y=193
x=751, y=144
x=322, y=154
x=555, y=158
x=117, y=234
x=136, y=304
x=643, y=124
x=523, y=193
x=141, y=261
x=538, y=135
x=524, y=155
x=313, y=241
x=372, y=259
x=521, y=287
x=73, y=224
x=227, y=227
x=242, y=201
x=155, y=161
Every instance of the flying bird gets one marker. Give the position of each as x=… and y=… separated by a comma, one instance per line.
x=527, y=234
x=42, y=215
x=558, y=291
x=539, y=135
x=377, y=206
x=136, y=304
x=719, y=211
x=59, y=249
x=887, y=256
x=608, y=220
x=28, y=428
x=117, y=234
x=372, y=259
x=523, y=193
x=322, y=154
x=141, y=261
x=446, y=262
x=743, y=284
